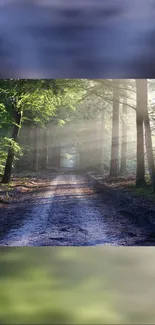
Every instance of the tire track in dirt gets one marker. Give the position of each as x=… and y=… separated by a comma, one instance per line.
x=35, y=222
x=71, y=213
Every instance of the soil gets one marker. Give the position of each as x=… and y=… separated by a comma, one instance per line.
x=74, y=210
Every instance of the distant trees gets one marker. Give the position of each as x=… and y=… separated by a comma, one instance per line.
x=95, y=115
x=116, y=93
x=23, y=96
x=33, y=103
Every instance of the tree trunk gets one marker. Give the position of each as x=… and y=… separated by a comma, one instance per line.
x=114, y=164
x=11, y=152
x=148, y=138
x=124, y=139
x=140, y=173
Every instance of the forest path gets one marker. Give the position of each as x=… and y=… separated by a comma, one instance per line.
x=69, y=213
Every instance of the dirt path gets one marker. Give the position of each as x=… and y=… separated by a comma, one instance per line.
x=69, y=212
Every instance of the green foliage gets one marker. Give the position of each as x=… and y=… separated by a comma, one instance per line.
x=61, y=104
x=3, y=153
x=5, y=143
x=40, y=101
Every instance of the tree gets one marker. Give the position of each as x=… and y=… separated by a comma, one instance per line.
x=114, y=163
x=141, y=102
x=124, y=138
x=102, y=140
x=148, y=137
x=23, y=97
x=11, y=151
x=36, y=102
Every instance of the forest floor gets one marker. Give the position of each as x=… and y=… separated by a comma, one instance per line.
x=75, y=210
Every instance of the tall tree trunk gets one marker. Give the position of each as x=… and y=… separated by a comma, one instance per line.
x=11, y=152
x=140, y=173
x=124, y=139
x=114, y=164
x=148, y=138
